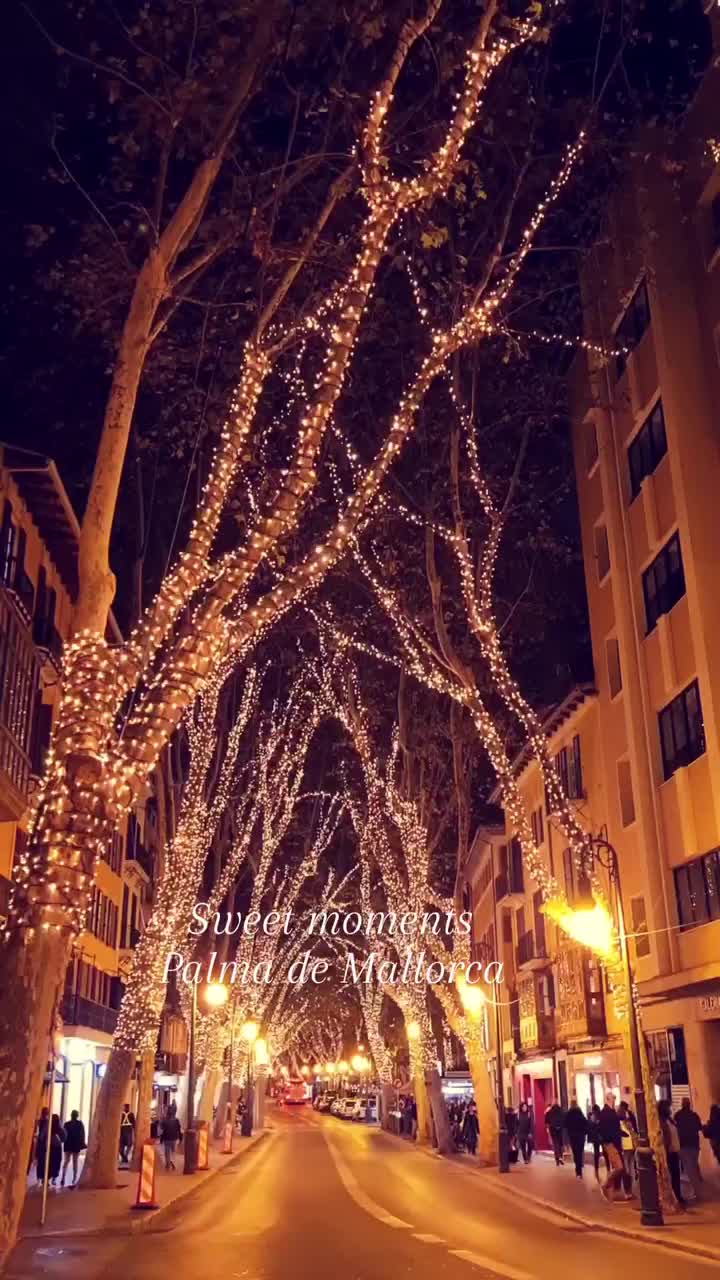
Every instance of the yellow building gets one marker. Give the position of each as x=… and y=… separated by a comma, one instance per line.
x=647, y=455
x=560, y=1035
x=38, y=582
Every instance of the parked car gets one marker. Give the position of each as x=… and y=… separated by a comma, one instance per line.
x=372, y=1108
x=358, y=1109
x=325, y=1101
x=337, y=1106
x=345, y=1108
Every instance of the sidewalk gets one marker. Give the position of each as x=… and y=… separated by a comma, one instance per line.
x=74, y=1211
x=697, y=1231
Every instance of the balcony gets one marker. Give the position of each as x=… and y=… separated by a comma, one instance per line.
x=532, y=952
x=581, y=1007
x=137, y=856
x=510, y=888
x=48, y=640
x=20, y=586
x=78, y=1011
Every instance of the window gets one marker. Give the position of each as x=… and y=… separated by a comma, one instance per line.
x=538, y=826
x=697, y=890
x=663, y=582
x=539, y=924
x=507, y=926
x=625, y=790
x=602, y=552
x=682, y=736
x=591, y=445
x=612, y=649
x=632, y=326
x=577, y=881
x=648, y=447
x=569, y=766
x=639, y=927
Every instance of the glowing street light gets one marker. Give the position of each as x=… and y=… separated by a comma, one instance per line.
x=304, y=1070
x=249, y=1032
x=215, y=994
x=473, y=998
x=343, y=1067
x=413, y=1030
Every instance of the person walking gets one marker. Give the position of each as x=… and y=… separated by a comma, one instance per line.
x=594, y=1136
x=171, y=1134
x=554, y=1121
x=689, y=1127
x=471, y=1129
x=628, y=1133
x=127, y=1133
x=712, y=1130
x=672, y=1149
x=525, y=1132
x=73, y=1145
x=611, y=1139
x=57, y=1136
x=576, y=1127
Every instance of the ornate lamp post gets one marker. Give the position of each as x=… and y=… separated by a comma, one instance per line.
x=589, y=917
x=249, y=1032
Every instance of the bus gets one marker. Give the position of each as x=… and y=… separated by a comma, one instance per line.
x=296, y=1091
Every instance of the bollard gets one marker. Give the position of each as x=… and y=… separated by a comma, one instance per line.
x=146, y=1179
x=202, y=1160
x=227, y=1139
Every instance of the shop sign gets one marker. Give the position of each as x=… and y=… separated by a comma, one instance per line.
x=710, y=1004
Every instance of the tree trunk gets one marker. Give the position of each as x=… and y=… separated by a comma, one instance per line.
x=101, y=1164
x=422, y=1103
x=443, y=1136
x=387, y=1097
x=486, y=1104
x=28, y=1005
x=144, y=1105
x=207, y=1097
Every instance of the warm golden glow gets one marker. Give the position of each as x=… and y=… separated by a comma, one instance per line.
x=329, y=1068
x=305, y=1070
x=473, y=999
x=592, y=927
x=215, y=994
x=249, y=1032
x=343, y=1067
x=261, y=1053
x=413, y=1030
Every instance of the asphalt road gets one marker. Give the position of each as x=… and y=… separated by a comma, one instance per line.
x=324, y=1199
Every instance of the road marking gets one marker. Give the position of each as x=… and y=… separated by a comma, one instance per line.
x=426, y=1238
x=490, y=1264
x=357, y=1194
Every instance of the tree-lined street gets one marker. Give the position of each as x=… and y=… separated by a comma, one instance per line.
x=320, y=1199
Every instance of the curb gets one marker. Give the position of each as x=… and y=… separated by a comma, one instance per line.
x=630, y=1233
x=139, y=1222
x=144, y=1221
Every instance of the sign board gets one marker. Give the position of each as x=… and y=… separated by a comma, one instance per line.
x=710, y=1005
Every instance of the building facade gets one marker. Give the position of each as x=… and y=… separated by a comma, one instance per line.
x=646, y=432
x=560, y=1035
x=39, y=539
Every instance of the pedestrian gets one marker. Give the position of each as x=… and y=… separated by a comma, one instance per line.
x=127, y=1133
x=57, y=1137
x=712, y=1130
x=672, y=1149
x=525, y=1132
x=628, y=1136
x=73, y=1145
x=611, y=1139
x=511, y=1123
x=594, y=1136
x=413, y=1119
x=554, y=1120
x=40, y=1132
x=576, y=1127
x=170, y=1135
x=471, y=1129
x=689, y=1127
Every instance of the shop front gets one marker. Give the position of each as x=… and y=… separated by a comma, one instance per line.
x=535, y=1084
x=592, y=1075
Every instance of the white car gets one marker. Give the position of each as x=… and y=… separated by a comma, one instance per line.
x=346, y=1108
x=358, y=1110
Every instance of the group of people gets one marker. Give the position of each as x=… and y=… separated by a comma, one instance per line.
x=612, y=1132
x=65, y=1140
x=464, y=1125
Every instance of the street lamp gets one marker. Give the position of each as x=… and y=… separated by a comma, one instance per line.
x=214, y=995
x=591, y=925
x=249, y=1032
x=413, y=1031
